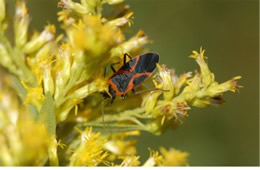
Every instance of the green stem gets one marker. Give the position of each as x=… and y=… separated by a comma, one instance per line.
x=109, y=127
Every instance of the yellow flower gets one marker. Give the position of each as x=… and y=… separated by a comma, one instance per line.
x=166, y=79
x=17, y=144
x=94, y=37
x=207, y=76
x=118, y=146
x=59, y=73
x=180, y=81
x=35, y=146
x=89, y=152
x=130, y=161
x=150, y=99
x=173, y=157
x=34, y=96
x=154, y=159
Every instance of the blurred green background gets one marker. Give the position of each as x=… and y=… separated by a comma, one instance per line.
x=228, y=30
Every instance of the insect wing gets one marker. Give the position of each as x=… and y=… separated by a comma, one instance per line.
x=147, y=63
x=144, y=68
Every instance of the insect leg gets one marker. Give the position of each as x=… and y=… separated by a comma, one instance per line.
x=123, y=96
x=112, y=66
x=102, y=108
x=127, y=55
x=147, y=90
x=112, y=100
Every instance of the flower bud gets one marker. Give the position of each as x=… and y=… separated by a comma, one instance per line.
x=206, y=76
x=79, y=8
x=37, y=42
x=48, y=83
x=134, y=43
x=166, y=77
x=119, y=22
x=219, y=89
x=21, y=24
x=5, y=60
x=113, y=2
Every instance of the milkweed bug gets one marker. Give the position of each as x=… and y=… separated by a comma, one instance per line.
x=130, y=75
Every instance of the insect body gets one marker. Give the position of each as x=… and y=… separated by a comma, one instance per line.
x=131, y=74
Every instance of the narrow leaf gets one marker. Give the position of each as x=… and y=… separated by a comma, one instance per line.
x=17, y=85
x=47, y=114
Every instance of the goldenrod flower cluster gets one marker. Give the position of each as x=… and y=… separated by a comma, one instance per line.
x=50, y=109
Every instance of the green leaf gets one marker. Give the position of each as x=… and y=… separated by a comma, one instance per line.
x=22, y=93
x=47, y=115
x=19, y=87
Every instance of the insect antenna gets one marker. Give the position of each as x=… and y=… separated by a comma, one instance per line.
x=102, y=110
x=148, y=90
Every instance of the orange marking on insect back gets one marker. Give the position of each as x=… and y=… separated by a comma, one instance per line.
x=114, y=87
x=131, y=69
x=131, y=84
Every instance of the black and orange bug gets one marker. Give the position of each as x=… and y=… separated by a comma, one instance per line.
x=131, y=74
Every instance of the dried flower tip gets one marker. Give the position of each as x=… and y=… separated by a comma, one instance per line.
x=167, y=110
x=80, y=8
x=218, y=100
x=219, y=89
x=21, y=9
x=65, y=4
x=182, y=109
x=234, y=85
